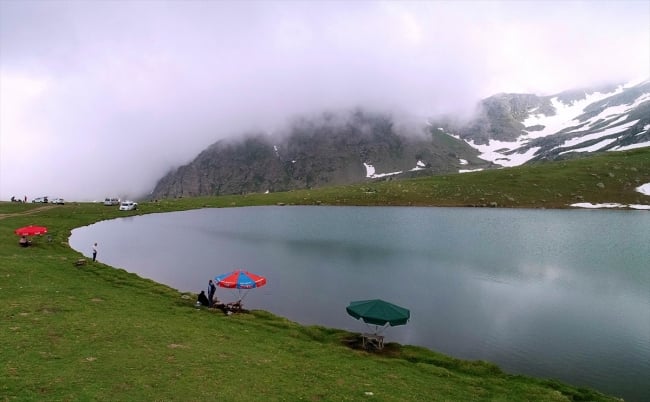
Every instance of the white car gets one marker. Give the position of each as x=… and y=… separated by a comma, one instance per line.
x=58, y=201
x=128, y=206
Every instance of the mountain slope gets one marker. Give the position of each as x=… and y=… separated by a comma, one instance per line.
x=512, y=129
x=327, y=150
x=333, y=149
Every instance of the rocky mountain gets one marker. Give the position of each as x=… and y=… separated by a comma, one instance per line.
x=330, y=149
x=343, y=148
x=512, y=129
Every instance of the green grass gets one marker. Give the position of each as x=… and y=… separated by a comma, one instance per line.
x=611, y=177
x=99, y=333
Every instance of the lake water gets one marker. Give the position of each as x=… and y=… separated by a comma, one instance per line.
x=559, y=294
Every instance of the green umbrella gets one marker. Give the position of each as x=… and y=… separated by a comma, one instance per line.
x=378, y=312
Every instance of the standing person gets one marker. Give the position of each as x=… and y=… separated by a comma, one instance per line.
x=94, y=252
x=211, y=289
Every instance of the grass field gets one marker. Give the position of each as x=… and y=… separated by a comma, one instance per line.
x=93, y=332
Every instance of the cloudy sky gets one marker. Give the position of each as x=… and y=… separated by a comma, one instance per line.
x=101, y=98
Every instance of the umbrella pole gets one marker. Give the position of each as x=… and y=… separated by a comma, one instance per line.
x=242, y=294
x=379, y=331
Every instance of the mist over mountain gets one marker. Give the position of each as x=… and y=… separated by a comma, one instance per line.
x=336, y=148
x=329, y=149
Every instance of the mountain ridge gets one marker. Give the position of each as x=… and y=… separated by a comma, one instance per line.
x=566, y=123
x=353, y=146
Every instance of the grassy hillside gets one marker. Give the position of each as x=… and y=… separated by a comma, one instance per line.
x=611, y=177
x=97, y=333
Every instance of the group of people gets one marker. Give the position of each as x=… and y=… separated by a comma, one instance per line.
x=24, y=242
x=14, y=199
x=208, y=300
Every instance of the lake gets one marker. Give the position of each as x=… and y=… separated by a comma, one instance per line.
x=559, y=294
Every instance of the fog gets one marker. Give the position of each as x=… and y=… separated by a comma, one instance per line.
x=102, y=98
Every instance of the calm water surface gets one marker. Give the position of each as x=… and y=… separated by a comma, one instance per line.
x=557, y=294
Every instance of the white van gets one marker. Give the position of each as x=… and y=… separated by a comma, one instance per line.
x=109, y=202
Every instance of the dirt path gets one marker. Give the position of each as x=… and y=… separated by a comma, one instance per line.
x=31, y=211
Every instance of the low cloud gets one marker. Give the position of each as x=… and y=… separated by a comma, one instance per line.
x=102, y=98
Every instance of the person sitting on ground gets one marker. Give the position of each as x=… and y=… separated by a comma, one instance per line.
x=203, y=299
x=24, y=242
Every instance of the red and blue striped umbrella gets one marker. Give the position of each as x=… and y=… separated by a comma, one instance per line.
x=240, y=279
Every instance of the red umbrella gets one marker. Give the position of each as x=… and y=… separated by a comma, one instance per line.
x=31, y=230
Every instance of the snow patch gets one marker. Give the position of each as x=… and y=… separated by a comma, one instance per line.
x=469, y=170
x=604, y=205
x=370, y=172
x=495, y=151
x=418, y=166
x=644, y=189
x=609, y=205
x=632, y=146
x=604, y=133
x=462, y=161
x=592, y=148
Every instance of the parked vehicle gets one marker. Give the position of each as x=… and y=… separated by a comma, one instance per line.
x=128, y=206
x=58, y=201
x=109, y=202
x=40, y=200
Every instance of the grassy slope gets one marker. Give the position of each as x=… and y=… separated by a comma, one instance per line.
x=96, y=333
x=612, y=177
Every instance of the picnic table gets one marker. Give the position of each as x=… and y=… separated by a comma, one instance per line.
x=229, y=308
x=372, y=341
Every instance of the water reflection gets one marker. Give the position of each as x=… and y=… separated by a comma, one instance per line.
x=560, y=294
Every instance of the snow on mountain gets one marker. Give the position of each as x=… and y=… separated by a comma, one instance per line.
x=565, y=114
x=573, y=122
x=644, y=189
x=370, y=170
x=581, y=137
x=632, y=146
